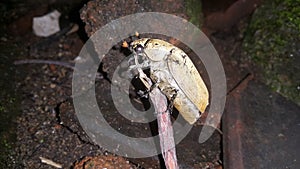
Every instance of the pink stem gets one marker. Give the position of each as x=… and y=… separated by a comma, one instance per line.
x=165, y=129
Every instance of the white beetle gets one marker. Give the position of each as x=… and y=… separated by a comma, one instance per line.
x=175, y=75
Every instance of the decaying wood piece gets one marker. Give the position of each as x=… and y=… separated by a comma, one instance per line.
x=233, y=118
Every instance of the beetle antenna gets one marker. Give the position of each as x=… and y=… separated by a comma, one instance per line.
x=137, y=35
x=132, y=38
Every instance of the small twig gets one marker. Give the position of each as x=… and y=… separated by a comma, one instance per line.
x=165, y=129
x=50, y=162
x=51, y=62
x=167, y=143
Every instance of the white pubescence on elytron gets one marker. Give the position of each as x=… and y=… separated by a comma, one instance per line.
x=174, y=74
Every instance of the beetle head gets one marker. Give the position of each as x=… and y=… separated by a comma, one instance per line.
x=138, y=48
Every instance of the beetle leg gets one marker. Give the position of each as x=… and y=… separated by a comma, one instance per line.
x=136, y=59
x=131, y=60
x=145, y=80
x=143, y=94
x=153, y=86
x=161, y=78
x=171, y=93
x=170, y=107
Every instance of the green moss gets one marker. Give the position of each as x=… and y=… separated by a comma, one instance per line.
x=272, y=42
x=194, y=11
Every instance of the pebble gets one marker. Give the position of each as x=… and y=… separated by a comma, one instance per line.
x=52, y=85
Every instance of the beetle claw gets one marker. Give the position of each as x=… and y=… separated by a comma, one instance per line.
x=170, y=106
x=143, y=94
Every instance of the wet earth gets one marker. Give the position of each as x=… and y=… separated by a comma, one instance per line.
x=40, y=120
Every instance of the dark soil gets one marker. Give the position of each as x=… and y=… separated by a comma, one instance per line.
x=47, y=125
